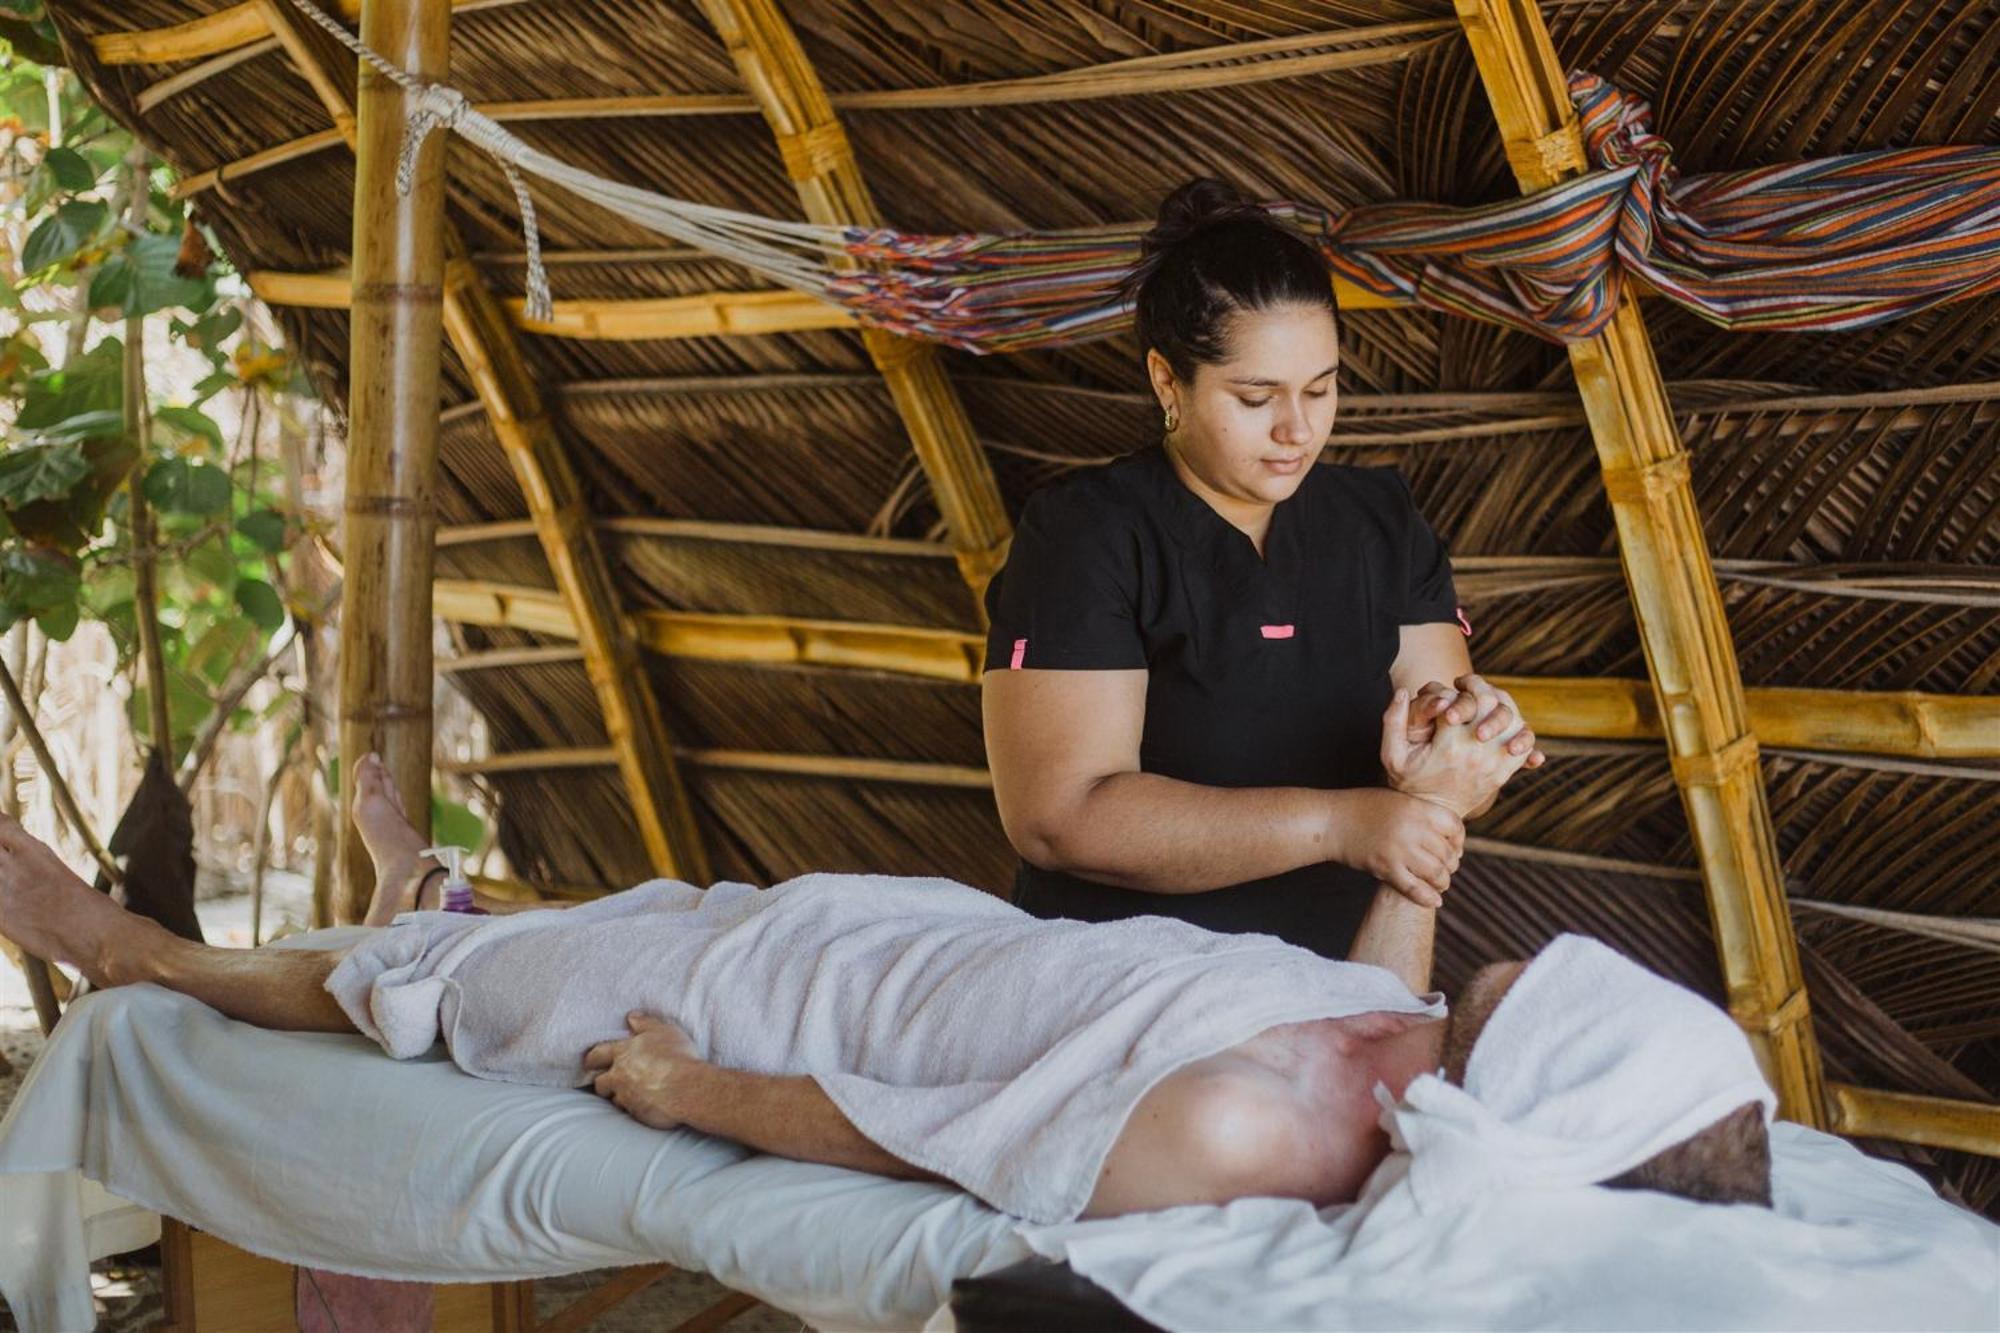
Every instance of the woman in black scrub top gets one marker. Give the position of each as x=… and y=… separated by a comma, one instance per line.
x=1214, y=667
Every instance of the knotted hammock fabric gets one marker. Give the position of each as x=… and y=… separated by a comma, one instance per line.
x=1836, y=243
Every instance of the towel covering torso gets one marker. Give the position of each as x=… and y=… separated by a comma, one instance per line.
x=956, y=1032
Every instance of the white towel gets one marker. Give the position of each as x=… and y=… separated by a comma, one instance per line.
x=1590, y=1065
x=955, y=1031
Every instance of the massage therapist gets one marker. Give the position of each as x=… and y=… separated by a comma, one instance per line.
x=1197, y=649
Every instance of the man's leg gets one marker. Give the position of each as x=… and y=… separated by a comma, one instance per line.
x=52, y=914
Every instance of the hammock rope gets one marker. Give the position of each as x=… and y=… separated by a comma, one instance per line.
x=1823, y=245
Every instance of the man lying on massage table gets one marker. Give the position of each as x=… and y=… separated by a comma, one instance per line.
x=922, y=1029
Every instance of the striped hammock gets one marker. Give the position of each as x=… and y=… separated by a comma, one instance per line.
x=1836, y=243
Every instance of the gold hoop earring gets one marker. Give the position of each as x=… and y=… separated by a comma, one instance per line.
x=1171, y=420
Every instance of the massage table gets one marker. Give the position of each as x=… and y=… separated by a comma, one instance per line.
x=316, y=1149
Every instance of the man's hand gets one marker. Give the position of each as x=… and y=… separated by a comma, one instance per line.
x=1471, y=698
x=645, y=1073
x=1454, y=768
x=1410, y=844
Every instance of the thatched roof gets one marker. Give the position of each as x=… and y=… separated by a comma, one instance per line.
x=1871, y=457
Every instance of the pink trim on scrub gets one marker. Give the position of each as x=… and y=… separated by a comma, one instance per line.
x=1278, y=631
x=1020, y=651
x=1463, y=624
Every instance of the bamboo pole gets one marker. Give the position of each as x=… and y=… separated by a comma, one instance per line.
x=491, y=355
x=396, y=342
x=821, y=164
x=1689, y=654
x=633, y=319
x=1935, y=1122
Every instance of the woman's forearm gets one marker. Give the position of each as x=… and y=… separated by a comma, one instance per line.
x=1160, y=835
x=785, y=1116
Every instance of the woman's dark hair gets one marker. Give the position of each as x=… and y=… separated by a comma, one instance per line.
x=1211, y=254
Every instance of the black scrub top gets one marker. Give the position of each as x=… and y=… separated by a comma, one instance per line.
x=1270, y=672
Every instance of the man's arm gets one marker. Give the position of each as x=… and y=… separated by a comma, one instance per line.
x=658, y=1078
x=1397, y=934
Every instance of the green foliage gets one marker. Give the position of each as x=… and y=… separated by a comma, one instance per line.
x=455, y=825
x=62, y=234
x=68, y=464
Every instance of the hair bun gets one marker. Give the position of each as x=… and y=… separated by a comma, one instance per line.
x=1196, y=206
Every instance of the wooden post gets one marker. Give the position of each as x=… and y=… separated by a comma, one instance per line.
x=392, y=409
x=1689, y=653
x=821, y=164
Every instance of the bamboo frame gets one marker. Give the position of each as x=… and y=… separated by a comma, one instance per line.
x=1901, y=723
x=491, y=355
x=396, y=350
x=1689, y=654
x=708, y=315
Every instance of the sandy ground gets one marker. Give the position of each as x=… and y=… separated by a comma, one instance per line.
x=128, y=1286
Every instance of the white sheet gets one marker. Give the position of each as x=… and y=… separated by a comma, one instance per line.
x=281, y=1144
x=1853, y=1243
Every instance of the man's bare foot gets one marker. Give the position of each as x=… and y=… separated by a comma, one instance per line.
x=393, y=844
x=50, y=913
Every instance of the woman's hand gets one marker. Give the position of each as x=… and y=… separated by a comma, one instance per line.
x=646, y=1074
x=1410, y=844
x=1454, y=768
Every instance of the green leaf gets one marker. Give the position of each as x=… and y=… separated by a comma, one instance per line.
x=179, y=424
x=155, y=285
x=71, y=170
x=111, y=287
x=85, y=426
x=215, y=655
x=62, y=234
x=93, y=382
x=454, y=825
x=208, y=332
x=187, y=706
x=58, y=622
x=265, y=528
x=32, y=583
x=180, y=487
x=40, y=472
x=261, y=603
x=212, y=563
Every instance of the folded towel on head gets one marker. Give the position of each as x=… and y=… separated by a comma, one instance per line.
x=1589, y=1066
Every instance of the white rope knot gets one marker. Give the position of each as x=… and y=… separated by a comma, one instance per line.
x=432, y=107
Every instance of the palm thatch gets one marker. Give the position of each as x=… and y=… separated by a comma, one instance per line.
x=1848, y=484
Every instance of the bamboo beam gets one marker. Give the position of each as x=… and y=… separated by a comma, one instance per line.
x=1232, y=64
x=1902, y=723
x=238, y=25
x=821, y=164
x=1689, y=654
x=1907, y=1117
x=491, y=355
x=697, y=529
x=708, y=315
x=847, y=768
x=503, y=658
x=529, y=761
x=394, y=368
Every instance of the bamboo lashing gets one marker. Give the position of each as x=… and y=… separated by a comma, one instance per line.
x=1689, y=653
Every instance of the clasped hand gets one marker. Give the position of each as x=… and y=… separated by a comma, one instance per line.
x=646, y=1074
x=1446, y=753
